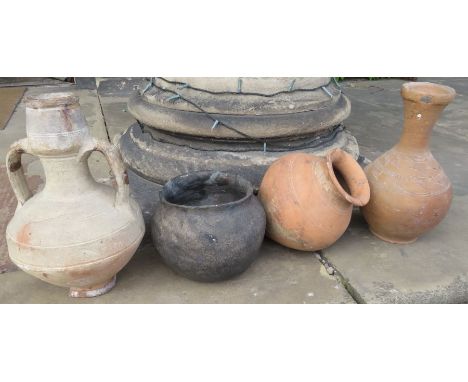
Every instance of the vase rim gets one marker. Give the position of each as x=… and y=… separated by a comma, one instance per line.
x=428, y=93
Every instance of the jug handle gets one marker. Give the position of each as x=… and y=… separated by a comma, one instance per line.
x=115, y=162
x=15, y=170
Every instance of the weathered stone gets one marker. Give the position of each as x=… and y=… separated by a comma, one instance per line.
x=119, y=86
x=146, y=193
x=434, y=269
x=116, y=115
x=160, y=161
x=285, y=124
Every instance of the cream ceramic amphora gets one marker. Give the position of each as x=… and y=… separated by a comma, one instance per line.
x=75, y=233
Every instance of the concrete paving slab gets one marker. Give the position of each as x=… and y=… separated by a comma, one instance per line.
x=32, y=81
x=279, y=275
x=85, y=82
x=116, y=115
x=9, y=98
x=434, y=269
x=376, y=114
x=14, y=130
x=120, y=86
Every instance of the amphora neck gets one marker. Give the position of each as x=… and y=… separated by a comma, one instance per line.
x=55, y=124
x=66, y=176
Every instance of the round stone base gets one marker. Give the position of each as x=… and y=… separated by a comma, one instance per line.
x=158, y=160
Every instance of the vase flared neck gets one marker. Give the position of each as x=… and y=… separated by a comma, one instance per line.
x=423, y=104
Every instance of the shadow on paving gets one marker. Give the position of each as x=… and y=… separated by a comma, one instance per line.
x=279, y=275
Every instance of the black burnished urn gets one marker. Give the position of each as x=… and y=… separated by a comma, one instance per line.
x=208, y=225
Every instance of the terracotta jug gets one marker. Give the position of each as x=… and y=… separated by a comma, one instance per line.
x=410, y=193
x=75, y=233
x=309, y=199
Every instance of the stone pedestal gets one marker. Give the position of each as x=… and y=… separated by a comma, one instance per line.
x=237, y=125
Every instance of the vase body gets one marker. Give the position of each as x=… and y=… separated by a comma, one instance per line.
x=410, y=193
x=208, y=226
x=75, y=233
x=309, y=199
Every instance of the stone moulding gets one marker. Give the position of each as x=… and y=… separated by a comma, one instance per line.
x=287, y=123
x=160, y=161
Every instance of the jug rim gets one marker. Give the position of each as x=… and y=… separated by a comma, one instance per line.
x=353, y=174
x=50, y=100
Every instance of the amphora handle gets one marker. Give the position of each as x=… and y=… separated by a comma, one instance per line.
x=15, y=170
x=115, y=162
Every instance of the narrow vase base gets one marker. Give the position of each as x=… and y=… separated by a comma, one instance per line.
x=93, y=291
x=391, y=240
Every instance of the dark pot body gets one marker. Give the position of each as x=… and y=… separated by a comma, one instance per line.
x=207, y=242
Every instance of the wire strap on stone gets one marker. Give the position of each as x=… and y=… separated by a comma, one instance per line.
x=215, y=124
x=174, y=97
x=148, y=85
x=239, y=85
x=327, y=91
x=336, y=83
x=240, y=91
x=291, y=87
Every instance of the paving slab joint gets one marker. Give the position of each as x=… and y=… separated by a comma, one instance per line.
x=103, y=118
x=333, y=271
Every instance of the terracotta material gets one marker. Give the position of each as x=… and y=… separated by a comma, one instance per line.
x=309, y=199
x=75, y=233
x=410, y=193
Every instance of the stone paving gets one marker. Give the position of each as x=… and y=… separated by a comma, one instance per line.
x=366, y=270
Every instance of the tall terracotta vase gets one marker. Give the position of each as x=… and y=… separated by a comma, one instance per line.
x=410, y=193
x=75, y=233
x=309, y=199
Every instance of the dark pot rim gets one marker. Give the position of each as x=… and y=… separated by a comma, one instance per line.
x=236, y=181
